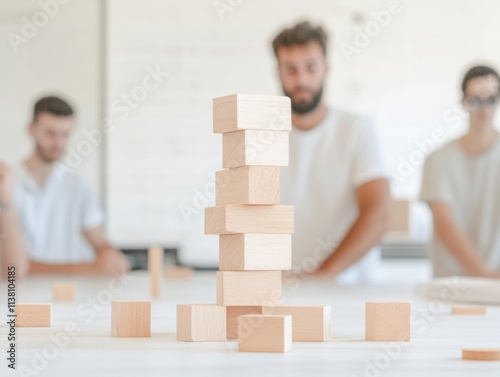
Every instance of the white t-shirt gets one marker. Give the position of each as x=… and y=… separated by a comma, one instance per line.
x=53, y=216
x=471, y=186
x=327, y=164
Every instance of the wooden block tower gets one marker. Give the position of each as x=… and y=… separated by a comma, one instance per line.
x=254, y=233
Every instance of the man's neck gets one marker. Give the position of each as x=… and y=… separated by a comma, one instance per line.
x=38, y=168
x=311, y=119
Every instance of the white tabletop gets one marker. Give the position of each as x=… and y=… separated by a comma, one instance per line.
x=435, y=349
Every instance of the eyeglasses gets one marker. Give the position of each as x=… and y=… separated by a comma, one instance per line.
x=473, y=103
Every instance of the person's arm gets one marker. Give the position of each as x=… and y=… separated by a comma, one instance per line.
x=13, y=250
x=458, y=243
x=373, y=200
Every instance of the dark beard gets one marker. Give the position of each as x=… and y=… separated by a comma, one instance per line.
x=304, y=108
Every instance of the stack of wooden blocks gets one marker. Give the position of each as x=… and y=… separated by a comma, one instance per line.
x=254, y=235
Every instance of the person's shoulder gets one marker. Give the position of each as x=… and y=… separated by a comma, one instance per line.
x=446, y=150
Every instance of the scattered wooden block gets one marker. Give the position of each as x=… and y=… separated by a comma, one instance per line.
x=64, y=292
x=179, y=272
x=481, y=354
x=257, y=148
x=387, y=321
x=469, y=310
x=130, y=319
x=246, y=111
x=239, y=252
x=264, y=333
x=234, y=218
x=309, y=323
x=248, y=185
x=201, y=323
x=155, y=267
x=33, y=315
x=248, y=288
x=232, y=314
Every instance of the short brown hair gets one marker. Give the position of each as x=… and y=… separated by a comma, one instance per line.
x=300, y=34
x=52, y=105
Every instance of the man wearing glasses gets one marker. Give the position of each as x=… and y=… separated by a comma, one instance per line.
x=461, y=184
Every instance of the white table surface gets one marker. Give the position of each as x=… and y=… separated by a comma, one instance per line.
x=435, y=349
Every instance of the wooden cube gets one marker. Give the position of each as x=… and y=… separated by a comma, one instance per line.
x=246, y=111
x=64, y=292
x=179, y=272
x=232, y=314
x=309, y=323
x=264, y=333
x=255, y=252
x=248, y=185
x=130, y=319
x=33, y=315
x=155, y=268
x=254, y=147
x=387, y=321
x=201, y=323
x=248, y=288
x=234, y=218
x=469, y=310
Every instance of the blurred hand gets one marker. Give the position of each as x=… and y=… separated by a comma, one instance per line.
x=111, y=262
x=6, y=185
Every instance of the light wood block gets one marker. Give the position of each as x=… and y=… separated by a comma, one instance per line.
x=387, y=321
x=201, y=323
x=239, y=252
x=264, y=333
x=248, y=185
x=232, y=314
x=309, y=323
x=247, y=111
x=256, y=148
x=33, y=315
x=179, y=272
x=155, y=268
x=400, y=220
x=130, y=319
x=248, y=288
x=64, y=291
x=481, y=354
x=234, y=218
x=469, y=310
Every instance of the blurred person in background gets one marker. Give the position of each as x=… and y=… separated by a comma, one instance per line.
x=51, y=221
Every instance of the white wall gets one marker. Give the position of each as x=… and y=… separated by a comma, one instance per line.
x=61, y=56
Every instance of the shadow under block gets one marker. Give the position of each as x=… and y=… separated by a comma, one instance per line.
x=387, y=321
x=248, y=288
x=250, y=251
x=64, y=292
x=155, y=268
x=255, y=148
x=232, y=314
x=130, y=319
x=234, y=218
x=469, y=310
x=33, y=315
x=201, y=323
x=481, y=354
x=248, y=185
x=309, y=323
x=264, y=333
x=246, y=111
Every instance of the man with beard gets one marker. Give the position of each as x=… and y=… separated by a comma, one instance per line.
x=51, y=222
x=336, y=178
